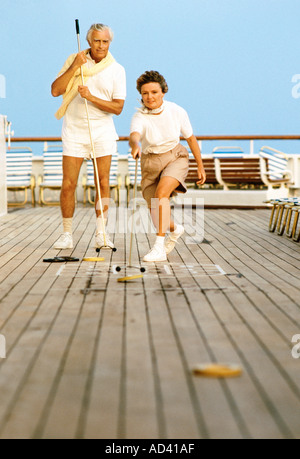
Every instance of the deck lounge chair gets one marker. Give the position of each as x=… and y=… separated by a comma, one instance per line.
x=274, y=167
x=52, y=173
x=19, y=175
x=235, y=168
x=209, y=167
x=268, y=169
x=115, y=180
x=228, y=152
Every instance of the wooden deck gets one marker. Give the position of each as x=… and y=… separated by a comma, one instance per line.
x=89, y=357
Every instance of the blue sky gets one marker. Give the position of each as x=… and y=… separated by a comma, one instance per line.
x=229, y=63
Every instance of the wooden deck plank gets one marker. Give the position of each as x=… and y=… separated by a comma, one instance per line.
x=230, y=293
x=201, y=312
x=88, y=357
x=61, y=415
x=257, y=273
x=137, y=391
x=36, y=293
x=284, y=268
x=281, y=298
x=52, y=349
x=140, y=390
x=255, y=230
x=198, y=352
x=100, y=414
x=220, y=349
x=176, y=414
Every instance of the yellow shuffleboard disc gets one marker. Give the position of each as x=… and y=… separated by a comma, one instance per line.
x=93, y=259
x=129, y=278
x=217, y=370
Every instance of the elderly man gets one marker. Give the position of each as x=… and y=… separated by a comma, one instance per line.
x=105, y=91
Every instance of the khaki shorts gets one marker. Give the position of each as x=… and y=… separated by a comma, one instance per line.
x=174, y=163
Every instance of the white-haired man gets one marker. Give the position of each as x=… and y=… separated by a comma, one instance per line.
x=105, y=91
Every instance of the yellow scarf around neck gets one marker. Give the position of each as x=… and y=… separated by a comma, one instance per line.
x=72, y=88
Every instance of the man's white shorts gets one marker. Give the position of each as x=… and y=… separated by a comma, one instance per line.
x=83, y=150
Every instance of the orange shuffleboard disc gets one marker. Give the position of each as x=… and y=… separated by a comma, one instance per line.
x=217, y=370
x=93, y=259
x=129, y=278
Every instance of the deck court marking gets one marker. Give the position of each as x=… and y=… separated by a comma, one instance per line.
x=60, y=270
x=166, y=271
x=183, y=270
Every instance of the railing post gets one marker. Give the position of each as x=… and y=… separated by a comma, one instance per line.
x=296, y=171
x=251, y=147
x=3, y=192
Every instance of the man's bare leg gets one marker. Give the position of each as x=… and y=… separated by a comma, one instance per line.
x=103, y=165
x=71, y=169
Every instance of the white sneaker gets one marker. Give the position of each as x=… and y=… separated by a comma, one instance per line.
x=158, y=253
x=64, y=242
x=172, y=239
x=99, y=241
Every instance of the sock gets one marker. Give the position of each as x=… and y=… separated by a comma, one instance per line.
x=67, y=225
x=160, y=241
x=177, y=230
x=99, y=224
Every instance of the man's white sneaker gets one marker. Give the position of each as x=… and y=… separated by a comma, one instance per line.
x=99, y=241
x=156, y=254
x=172, y=239
x=64, y=242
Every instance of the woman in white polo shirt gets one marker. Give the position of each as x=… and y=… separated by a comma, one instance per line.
x=155, y=137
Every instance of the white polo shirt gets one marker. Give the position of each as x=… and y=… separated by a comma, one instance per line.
x=108, y=84
x=161, y=133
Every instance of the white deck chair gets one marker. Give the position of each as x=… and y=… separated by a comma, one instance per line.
x=19, y=175
x=52, y=173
